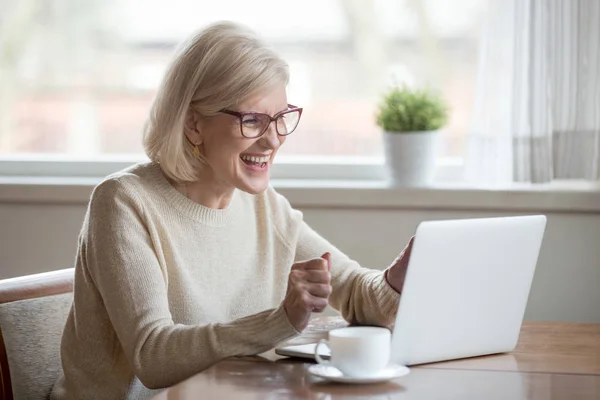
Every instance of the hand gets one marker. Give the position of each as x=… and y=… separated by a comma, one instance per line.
x=308, y=290
x=396, y=273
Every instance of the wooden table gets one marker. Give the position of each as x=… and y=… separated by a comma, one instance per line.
x=552, y=361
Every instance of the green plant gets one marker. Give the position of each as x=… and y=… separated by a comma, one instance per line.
x=411, y=110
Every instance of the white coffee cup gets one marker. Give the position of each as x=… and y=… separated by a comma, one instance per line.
x=358, y=351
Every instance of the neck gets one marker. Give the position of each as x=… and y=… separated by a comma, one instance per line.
x=209, y=193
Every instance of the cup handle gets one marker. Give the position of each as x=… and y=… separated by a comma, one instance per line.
x=320, y=359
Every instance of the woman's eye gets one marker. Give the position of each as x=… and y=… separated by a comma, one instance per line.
x=250, y=121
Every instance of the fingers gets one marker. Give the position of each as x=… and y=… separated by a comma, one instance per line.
x=319, y=304
x=316, y=263
x=319, y=290
x=310, y=276
x=316, y=285
x=317, y=276
x=323, y=262
x=404, y=257
x=409, y=246
x=309, y=302
x=327, y=257
x=308, y=290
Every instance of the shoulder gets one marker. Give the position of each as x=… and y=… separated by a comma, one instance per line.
x=278, y=212
x=120, y=188
x=117, y=206
x=278, y=207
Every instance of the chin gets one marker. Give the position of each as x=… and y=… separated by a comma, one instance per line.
x=253, y=179
x=254, y=186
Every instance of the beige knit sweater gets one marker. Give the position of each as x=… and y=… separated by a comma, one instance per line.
x=165, y=287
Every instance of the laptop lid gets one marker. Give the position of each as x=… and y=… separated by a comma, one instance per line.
x=466, y=288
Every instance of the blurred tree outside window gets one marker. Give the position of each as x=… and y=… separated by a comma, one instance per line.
x=77, y=77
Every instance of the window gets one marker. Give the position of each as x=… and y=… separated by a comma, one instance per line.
x=78, y=77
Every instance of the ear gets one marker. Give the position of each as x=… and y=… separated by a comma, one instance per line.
x=192, y=127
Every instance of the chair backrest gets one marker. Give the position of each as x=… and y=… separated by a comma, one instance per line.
x=33, y=311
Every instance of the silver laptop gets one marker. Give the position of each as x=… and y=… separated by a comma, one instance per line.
x=465, y=291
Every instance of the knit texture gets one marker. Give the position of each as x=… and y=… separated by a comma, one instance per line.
x=165, y=287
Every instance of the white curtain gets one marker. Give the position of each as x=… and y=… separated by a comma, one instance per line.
x=537, y=113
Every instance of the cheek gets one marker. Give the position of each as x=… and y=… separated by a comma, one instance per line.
x=282, y=140
x=224, y=148
x=222, y=139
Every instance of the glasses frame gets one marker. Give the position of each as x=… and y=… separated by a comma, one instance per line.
x=241, y=115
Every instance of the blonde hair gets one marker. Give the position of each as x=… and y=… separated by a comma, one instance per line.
x=216, y=68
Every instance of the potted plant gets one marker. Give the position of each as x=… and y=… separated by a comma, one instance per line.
x=411, y=120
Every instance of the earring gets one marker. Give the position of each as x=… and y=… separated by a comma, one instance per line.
x=196, y=151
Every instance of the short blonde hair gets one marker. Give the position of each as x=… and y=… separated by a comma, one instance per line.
x=216, y=68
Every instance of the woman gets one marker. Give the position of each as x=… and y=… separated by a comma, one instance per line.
x=193, y=258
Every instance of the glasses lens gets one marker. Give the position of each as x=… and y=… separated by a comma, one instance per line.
x=288, y=122
x=254, y=125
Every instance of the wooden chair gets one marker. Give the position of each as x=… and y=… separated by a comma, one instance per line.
x=33, y=311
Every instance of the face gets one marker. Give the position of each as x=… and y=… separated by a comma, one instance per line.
x=234, y=160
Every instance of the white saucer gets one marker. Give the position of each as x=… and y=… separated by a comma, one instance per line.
x=335, y=375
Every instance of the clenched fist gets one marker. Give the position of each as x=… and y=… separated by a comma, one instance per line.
x=309, y=287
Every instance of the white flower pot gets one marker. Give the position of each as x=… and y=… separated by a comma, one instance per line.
x=411, y=157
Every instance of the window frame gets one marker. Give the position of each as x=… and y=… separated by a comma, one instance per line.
x=317, y=168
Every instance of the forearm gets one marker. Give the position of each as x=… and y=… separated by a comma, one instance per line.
x=169, y=354
x=361, y=295
x=366, y=299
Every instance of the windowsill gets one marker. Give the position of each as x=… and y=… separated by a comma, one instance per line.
x=556, y=197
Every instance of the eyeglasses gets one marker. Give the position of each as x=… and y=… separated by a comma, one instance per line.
x=253, y=124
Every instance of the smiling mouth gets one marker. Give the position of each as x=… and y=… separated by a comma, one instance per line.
x=253, y=161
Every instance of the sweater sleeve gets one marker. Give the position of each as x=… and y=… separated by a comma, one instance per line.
x=121, y=261
x=361, y=295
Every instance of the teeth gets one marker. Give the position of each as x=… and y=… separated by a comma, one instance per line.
x=255, y=159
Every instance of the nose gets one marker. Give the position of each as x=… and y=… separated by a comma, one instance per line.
x=270, y=138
